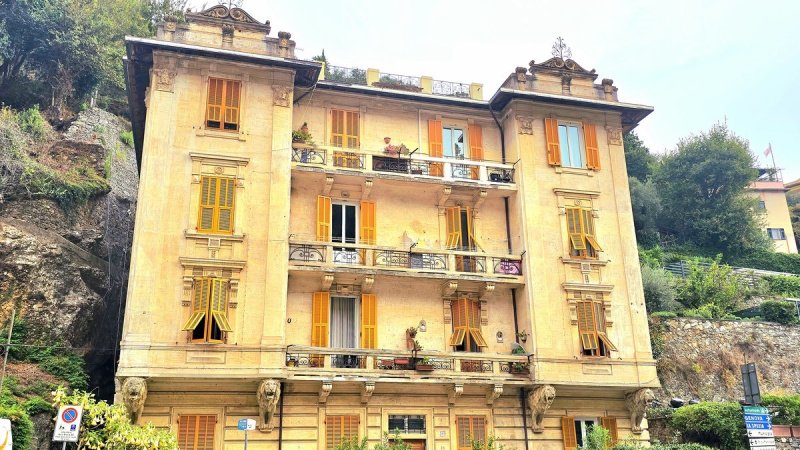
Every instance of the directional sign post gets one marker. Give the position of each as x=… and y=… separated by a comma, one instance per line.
x=759, y=428
x=246, y=425
x=68, y=424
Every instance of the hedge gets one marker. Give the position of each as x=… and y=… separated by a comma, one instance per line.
x=788, y=408
x=718, y=425
x=779, y=311
x=766, y=260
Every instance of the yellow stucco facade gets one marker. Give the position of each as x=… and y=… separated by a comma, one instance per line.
x=774, y=212
x=278, y=280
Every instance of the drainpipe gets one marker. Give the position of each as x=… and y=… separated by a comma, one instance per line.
x=523, y=399
x=502, y=137
x=280, y=421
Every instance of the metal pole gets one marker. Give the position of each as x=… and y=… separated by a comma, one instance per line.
x=245, y=439
x=64, y=445
x=8, y=346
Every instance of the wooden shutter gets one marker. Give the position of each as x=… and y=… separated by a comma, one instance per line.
x=340, y=428
x=208, y=203
x=575, y=230
x=202, y=288
x=568, y=432
x=323, y=218
x=587, y=325
x=352, y=119
x=468, y=429
x=214, y=103
x=369, y=321
x=600, y=323
x=553, y=146
x=367, y=226
x=435, y=147
x=345, y=128
x=453, y=227
x=610, y=424
x=225, y=200
x=474, y=323
x=588, y=230
x=196, y=432
x=592, y=150
x=337, y=128
x=475, y=147
x=460, y=321
x=219, y=303
x=320, y=312
x=233, y=90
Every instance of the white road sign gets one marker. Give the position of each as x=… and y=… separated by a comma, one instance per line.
x=762, y=442
x=68, y=424
x=5, y=434
x=760, y=433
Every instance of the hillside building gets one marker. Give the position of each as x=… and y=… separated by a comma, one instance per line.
x=773, y=209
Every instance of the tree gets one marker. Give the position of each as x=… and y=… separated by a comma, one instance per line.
x=646, y=205
x=638, y=159
x=715, y=289
x=702, y=187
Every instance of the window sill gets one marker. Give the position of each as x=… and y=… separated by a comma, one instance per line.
x=589, y=287
x=237, y=135
x=574, y=170
x=222, y=237
x=594, y=262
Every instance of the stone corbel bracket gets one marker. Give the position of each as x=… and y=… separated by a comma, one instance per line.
x=326, y=189
x=455, y=391
x=367, y=188
x=494, y=393
x=366, y=285
x=443, y=196
x=449, y=288
x=268, y=395
x=366, y=391
x=325, y=390
x=327, y=281
x=637, y=402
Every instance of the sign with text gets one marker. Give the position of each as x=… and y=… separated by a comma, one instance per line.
x=5, y=435
x=246, y=424
x=758, y=423
x=68, y=424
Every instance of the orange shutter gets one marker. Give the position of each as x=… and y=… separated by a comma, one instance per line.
x=587, y=325
x=453, y=227
x=459, y=313
x=475, y=147
x=568, y=432
x=592, y=151
x=225, y=202
x=610, y=424
x=474, y=323
x=196, y=432
x=553, y=147
x=575, y=230
x=435, y=146
x=214, y=103
x=208, y=203
x=232, y=95
x=369, y=321
x=320, y=310
x=368, y=230
x=323, y=218
x=337, y=128
x=200, y=304
x=352, y=131
x=339, y=429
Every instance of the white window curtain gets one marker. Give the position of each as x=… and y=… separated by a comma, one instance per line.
x=343, y=322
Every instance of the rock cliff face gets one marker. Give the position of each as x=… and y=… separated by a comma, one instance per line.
x=65, y=269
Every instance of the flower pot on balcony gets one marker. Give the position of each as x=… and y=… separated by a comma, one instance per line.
x=796, y=431
x=291, y=363
x=401, y=361
x=521, y=370
x=424, y=367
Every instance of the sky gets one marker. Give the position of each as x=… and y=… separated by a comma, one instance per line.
x=696, y=62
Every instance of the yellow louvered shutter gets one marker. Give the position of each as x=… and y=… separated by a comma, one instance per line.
x=587, y=325
x=472, y=241
x=345, y=128
x=320, y=311
x=568, y=433
x=214, y=103
x=208, y=204
x=610, y=424
x=196, y=432
x=475, y=147
x=219, y=303
x=368, y=228
x=574, y=229
x=323, y=218
x=340, y=429
x=435, y=146
x=232, y=98
x=553, y=146
x=369, y=321
x=337, y=128
x=202, y=288
x=468, y=429
x=592, y=150
x=474, y=323
x=225, y=201
x=588, y=230
x=460, y=321
x=453, y=227
x=352, y=129
x=600, y=323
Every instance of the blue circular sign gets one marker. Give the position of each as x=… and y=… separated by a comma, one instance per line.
x=69, y=415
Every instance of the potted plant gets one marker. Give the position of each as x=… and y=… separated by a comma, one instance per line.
x=291, y=362
x=424, y=365
x=523, y=336
x=301, y=135
x=520, y=367
x=411, y=333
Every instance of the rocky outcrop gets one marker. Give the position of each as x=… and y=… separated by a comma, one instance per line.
x=701, y=359
x=65, y=270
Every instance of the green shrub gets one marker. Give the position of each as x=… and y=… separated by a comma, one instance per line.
x=127, y=138
x=653, y=257
x=766, y=260
x=717, y=425
x=38, y=405
x=598, y=438
x=659, y=289
x=788, y=408
x=783, y=285
x=70, y=189
x=32, y=122
x=715, y=289
x=637, y=446
x=779, y=311
x=21, y=425
x=664, y=314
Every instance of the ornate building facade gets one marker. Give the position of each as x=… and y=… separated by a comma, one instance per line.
x=411, y=259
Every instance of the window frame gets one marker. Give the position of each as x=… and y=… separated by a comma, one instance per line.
x=470, y=417
x=344, y=136
x=179, y=415
x=208, y=320
x=582, y=243
x=356, y=318
x=581, y=144
x=465, y=143
x=216, y=208
x=598, y=335
x=357, y=225
x=222, y=105
x=781, y=234
x=581, y=421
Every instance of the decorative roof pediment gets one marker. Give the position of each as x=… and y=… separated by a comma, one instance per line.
x=558, y=66
x=223, y=14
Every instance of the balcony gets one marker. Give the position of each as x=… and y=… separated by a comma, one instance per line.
x=407, y=83
x=444, y=263
x=416, y=167
x=324, y=361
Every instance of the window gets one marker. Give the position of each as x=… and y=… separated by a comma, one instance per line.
x=582, y=429
x=216, y=211
x=222, y=107
x=576, y=430
x=571, y=144
x=466, y=335
x=453, y=143
x=196, y=432
x=460, y=230
x=345, y=128
x=762, y=205
x=592, y=328
x=335, y=320
x=346, y=223
x=776, y=234
x=406, y=424
x=468, y=429
x=209, y=311
x=449, y=142
x=344, y=330
x=580, y=227
x=339, y=429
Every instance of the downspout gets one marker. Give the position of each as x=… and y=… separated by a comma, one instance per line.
x=513, y=290
x=280, y=421
x=502, y=137
x=523, y=399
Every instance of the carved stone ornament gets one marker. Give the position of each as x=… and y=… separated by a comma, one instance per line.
x=539, y=400
x=170, y=23
x=558, y=66
x=268, y=394
x=134, y=394
x=227, y=31
x=525, y=124
x=280, y=95
x=614, y=135
x=216, y=13
x=637, y=402
x=164, y=79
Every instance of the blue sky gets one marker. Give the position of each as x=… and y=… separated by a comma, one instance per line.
x=696, y=62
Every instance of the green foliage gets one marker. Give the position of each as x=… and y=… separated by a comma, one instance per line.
x=783, y=285
x=717, y=425
x=127, y=138
x=352, y=444
x=21, y=425
x=395, y=443
x=664, y=314
x=70, y=189
x=38, y=405
x=656, y=446
x=32, y=122
x=638, y=159
x=714, y=290
x=779, y=311
x=598, y=438
x=653, y=257
x=659, y=289
x=490, y=444
x=788, y=408
x=768, y=260
x=646, y=205
x=702, y=185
